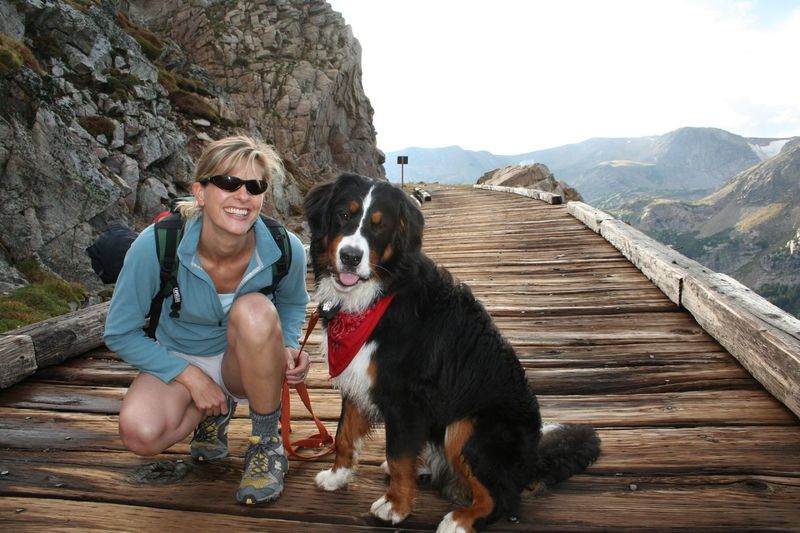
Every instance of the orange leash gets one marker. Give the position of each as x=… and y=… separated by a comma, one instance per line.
x=320, y=444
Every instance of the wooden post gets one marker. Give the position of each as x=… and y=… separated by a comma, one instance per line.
x=50, y=342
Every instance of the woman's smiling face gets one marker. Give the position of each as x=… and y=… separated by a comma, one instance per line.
x=232, y=212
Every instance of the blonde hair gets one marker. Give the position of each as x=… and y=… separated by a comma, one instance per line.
x=224, y=155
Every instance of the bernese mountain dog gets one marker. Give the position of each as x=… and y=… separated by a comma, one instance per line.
x=412, y=348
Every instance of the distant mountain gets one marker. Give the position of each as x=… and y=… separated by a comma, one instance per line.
x=749, y=229
x=693, y=161
x=730, y=202
x=451, y=164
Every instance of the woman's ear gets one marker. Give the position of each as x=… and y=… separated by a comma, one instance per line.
x=199, y=193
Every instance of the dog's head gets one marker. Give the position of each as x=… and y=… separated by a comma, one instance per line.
x=361, y=230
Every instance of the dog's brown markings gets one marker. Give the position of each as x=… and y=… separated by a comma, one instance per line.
x=387, y=253
x=458, y=433
x=353, y=206
x=330, y=252
x=376, y=217
x=373, y=258
x=353, y=427
x=372, y=372
x=402, y=484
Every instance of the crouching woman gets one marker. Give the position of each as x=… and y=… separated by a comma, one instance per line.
x=227, y=342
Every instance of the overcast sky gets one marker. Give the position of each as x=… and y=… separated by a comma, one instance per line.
x=515, y=76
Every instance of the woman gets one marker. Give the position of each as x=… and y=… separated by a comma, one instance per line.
x=230, y=342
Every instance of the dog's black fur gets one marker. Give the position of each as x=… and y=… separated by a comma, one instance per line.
x=442, y=378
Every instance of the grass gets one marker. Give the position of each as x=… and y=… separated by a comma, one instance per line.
x=97, y=125
x=46, y=296
x=762, y=215
x=14, y=54
x=119, y=84
x=185, y=96
x=151, y=45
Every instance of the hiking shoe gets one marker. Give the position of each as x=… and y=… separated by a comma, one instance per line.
x=265, y=466
x=210, y=441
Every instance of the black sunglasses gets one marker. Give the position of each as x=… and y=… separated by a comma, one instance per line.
x=232, y=183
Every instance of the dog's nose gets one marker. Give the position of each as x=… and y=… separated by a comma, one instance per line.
x=350, y=256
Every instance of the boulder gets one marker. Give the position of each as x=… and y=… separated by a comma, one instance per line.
x=533, y=176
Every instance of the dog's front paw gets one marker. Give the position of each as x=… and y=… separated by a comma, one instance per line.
x=449, y=525
x=331, y=479
x=383, y=509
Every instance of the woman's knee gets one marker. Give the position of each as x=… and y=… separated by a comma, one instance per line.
x=254, y=316
x=143, y=435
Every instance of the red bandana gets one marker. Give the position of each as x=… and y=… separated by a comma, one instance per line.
x=347, y=333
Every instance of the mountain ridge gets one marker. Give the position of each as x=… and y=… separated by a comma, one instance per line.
x=603, y=166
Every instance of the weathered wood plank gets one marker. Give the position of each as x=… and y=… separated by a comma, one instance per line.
x=750, y=407
x=587, y=502
x=62, y=337
x=593, y=218
x=549, y=197
x=738, y=318
x=765, y=339
x=762, y=450
x=17, y=359
x=39, y=514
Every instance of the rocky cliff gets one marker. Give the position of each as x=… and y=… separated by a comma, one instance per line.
x=105, y=103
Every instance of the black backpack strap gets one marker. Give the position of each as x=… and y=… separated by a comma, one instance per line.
x=168, y=233
x=281, y=267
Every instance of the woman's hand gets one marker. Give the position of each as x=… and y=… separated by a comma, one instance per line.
x=207, y=396
x=297, y=364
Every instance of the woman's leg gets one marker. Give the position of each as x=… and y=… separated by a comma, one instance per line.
x=254, y=367
x=254, y=364
x=155, y=415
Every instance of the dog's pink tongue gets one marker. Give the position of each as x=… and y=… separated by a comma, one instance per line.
x=348, y=278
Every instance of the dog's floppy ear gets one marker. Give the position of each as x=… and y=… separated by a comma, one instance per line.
x=412, y=224
x=315, y=206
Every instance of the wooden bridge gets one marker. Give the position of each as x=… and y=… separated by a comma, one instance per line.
x=691, y=441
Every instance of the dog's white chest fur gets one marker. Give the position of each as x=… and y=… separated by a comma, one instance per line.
x=354, y=382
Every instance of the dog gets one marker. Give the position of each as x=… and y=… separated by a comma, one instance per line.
x=412, y=348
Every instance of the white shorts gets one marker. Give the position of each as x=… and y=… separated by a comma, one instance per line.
x=212, y=367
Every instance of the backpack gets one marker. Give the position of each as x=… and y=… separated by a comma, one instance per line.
x=108, y=252
x=168, y=233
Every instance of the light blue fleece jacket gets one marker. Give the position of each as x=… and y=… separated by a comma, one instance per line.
x=201, y=328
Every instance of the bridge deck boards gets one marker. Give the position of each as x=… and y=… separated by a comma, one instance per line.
x=690, y=440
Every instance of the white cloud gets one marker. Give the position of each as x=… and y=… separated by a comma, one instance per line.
x=513, y=76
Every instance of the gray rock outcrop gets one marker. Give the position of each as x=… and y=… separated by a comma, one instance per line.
x=534, y=176
x=112, y=100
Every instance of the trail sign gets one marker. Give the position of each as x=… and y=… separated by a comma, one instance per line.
x=402, y=160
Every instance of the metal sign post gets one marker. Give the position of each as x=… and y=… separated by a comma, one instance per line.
x=402, y=160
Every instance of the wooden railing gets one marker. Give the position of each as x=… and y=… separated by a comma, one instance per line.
x=25, y=350
x=762, y=337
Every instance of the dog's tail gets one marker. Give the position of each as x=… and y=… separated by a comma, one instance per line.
x=565, y=450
